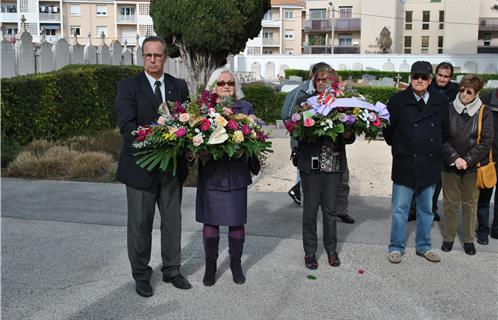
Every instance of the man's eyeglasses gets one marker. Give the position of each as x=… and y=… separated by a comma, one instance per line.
x=420, y=76
x=223, y=83
x=321, y=79
x=467, y=91
x=149, y=56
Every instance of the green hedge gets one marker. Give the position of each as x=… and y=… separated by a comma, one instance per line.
x=75, y=100
x=356, y=75
x=266, y=100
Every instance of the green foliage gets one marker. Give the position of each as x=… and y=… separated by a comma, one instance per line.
x=211, y=27
x=267, y=101
x=357, y=75
x=375, y=94
x=10, y=149
x=74, y=100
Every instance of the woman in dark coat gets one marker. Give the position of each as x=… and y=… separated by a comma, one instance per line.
x=222, y=191
x=461, y=154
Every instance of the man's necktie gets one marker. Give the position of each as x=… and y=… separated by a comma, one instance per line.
x=157, y=91
x=421, y=103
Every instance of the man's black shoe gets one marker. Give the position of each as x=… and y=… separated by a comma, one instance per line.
x=334, y=259
x=310, y=262
x=144, y=288
x=295, y=195
x=447, y=246
x=437, y=217
x=178, y=281
x=346, y=218
x=494, y=235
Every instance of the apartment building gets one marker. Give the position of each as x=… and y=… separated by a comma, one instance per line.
x=354, y=26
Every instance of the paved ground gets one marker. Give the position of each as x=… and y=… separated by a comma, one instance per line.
x=64, y=257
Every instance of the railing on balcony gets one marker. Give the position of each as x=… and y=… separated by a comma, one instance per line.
x=350, y=24
x=487, y=49
x=50, y=16
x=346, y=49
x=318, y=25
x=127, y=19
x=488, y=24
x=9, y=17
x=317, y=49
x=271, y=42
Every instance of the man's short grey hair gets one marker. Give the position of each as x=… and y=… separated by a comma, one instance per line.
x=211, y=84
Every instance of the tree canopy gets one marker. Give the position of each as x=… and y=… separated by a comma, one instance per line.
x=205, y=32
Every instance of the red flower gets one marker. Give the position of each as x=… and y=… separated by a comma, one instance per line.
x=181, y=132
x=205, y=125
x=261, y=136
x=233, y=125
x=142, y=133
x=377, y=122
x=290, y=125
x=246, y=130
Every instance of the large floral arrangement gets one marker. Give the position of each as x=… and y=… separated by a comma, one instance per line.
x=201, y=127
x=336, y=110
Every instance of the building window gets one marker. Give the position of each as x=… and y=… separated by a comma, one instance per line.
x=74, y=29
x=440, y=44
x=289, y=34
x=101, y=29
x=345, y=40
x=10, y=8
x=345, y=12
x=101, y=10
x=267, y=35
x=253, y=50
x=268, y=16
x=441, y=20
x=435, y=0
x=316, y=40
x=425, y=44
x=486, y=38
x=11, y=31
x=267, y=51
x=408, y=20
x=127, y=11
x=426, y=18
x=74, y=10
x=49, y=32
x=408, y=51
x=289, y=15
x=408, y=41
x=146, y=30
x=318, y=14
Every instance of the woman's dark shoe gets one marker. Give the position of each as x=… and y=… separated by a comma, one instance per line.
x=310, y=262
x=494, y=235
x=144, y=288
x=211, y=252
x=235, y=247
x=483, y=241
x=469, y=248
x=346, y=218
x=334, y=259
x=446, y=246
x=437, y=217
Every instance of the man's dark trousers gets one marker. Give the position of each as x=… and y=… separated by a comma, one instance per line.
x=166, y=193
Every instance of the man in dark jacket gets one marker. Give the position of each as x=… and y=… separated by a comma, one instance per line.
x=137, y=102
x=418, y=127
x=444, y=86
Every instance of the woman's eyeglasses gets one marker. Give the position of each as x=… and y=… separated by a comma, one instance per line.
x=223, y=83
x=467, y=91
x=420, y=76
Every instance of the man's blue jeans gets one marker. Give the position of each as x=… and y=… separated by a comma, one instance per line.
x=401, y=199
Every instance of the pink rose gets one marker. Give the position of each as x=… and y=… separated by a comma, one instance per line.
x=161, y=121
x=377, y=122
x=181, y=132
x=205, y=125
x=227, y=111
x=246, y=130
x=184, y=117
x=197, y=140
x=232, y=125
x=309, y=122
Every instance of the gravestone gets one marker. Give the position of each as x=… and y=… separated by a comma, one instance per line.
x=404, y=67
x=103, y=51
x=115, y=52
x=490, y=69
x=8, y=59
x=89, y=52
x=44, y=56
x=269, y=71
x=296, y=78
x=357, y=66
x=25, y=58
x=342, y=67
x=77, y=52
x=281, y=70
x=470, y=67
x=256, y=70
x=388, y=66
x=368, y=77
x=126, y=55
x=137, y=56
x=61, y=54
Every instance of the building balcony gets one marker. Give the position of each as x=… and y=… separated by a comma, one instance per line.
x=351, y=24
x=271, y=42
x=271, y=24
x=488, y=24
x=127, y=19
x=317, y=25
x=9, y=17
x=50, y=16
x=317, y=49
x=487, y=49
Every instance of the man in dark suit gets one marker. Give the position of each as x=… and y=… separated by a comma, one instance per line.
x=137, y=102
x=418, y=127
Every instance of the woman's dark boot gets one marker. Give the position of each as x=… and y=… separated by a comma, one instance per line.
x=235, y=248
x=211, y=252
